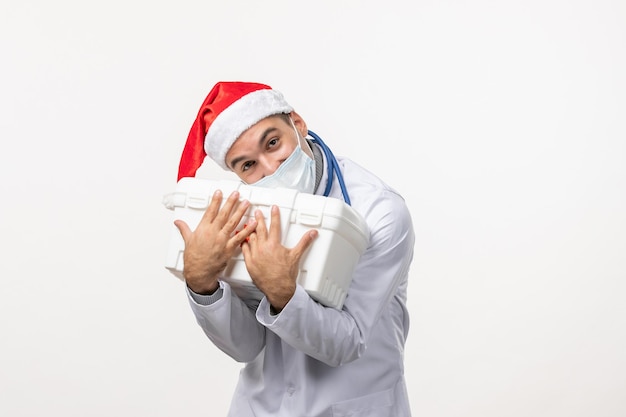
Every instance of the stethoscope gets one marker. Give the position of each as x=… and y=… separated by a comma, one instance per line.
x=333, y=168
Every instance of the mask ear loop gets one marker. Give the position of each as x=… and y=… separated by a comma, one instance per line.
x=298, y=136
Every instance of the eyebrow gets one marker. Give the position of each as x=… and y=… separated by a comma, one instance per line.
x=261, y=140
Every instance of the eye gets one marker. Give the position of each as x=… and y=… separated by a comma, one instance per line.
x=246, y=166
x=271, y=143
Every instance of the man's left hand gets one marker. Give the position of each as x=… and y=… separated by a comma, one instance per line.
x=273, y=267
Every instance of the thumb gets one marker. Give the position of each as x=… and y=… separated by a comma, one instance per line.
x=183, y=228
x=305, y=241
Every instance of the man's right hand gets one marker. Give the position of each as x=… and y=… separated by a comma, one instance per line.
x=213, y=243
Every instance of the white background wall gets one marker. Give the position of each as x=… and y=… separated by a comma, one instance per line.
x=502, y=123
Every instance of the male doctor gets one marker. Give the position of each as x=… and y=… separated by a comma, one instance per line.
x=302, y=359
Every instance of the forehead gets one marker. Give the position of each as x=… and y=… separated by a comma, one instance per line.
x=257, y=130
x=252, y=138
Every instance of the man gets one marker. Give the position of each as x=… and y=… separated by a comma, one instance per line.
x=301, y=358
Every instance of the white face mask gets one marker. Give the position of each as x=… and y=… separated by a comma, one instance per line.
x=296, y=172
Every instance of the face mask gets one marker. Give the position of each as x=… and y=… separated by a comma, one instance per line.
x=296, y=172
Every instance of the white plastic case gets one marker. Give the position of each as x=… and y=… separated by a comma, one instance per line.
x=325, y=270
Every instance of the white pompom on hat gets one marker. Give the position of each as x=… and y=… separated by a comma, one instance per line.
x=230, y=108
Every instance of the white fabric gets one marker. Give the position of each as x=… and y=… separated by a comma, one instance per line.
x=314, y=361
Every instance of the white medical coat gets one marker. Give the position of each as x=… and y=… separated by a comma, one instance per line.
x=316, y=361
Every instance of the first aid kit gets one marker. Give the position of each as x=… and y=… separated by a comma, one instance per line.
x=326, y=268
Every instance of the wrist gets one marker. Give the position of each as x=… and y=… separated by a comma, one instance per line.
x=204, y=289
x=277, y=304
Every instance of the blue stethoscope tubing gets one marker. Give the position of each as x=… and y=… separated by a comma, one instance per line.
x=333, y=168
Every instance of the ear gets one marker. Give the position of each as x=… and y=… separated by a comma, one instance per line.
x=299, y=123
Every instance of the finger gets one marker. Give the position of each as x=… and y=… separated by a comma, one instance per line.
x=252, y=239
x=227, y=208
x=246, y=250
x=305, y=241
x=235, y=217
x=184, y=229
x=248, y=246
x=243, y=235
x=214, y=206
x=241, y=208
x=261, y=227
x=275, y=225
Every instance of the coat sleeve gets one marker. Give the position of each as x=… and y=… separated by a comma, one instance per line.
x=336, y=337
x=230, y=324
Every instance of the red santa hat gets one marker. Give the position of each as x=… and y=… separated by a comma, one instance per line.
x=230, y=108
